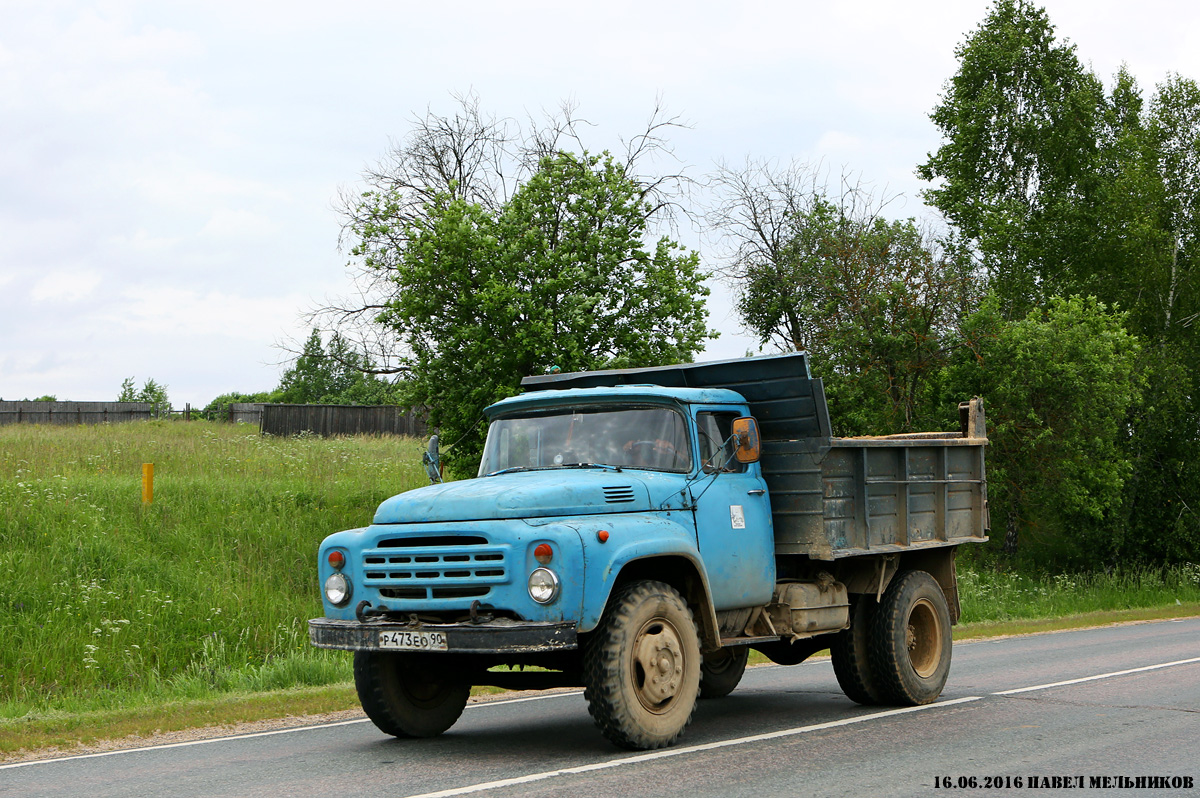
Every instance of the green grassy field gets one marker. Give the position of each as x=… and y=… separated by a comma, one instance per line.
x=994, y=596
x=193, y=609
x=107, y=601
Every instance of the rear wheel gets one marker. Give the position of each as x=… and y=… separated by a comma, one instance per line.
x=721, y=671
x=850, y=654
x=408, y=695
x=642, y=667
x=910, y=640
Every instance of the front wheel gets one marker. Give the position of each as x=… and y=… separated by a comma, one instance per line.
x=910, y=640
x=408, y=695
x=642, y=667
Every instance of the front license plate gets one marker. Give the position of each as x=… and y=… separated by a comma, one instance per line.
x=413, y=641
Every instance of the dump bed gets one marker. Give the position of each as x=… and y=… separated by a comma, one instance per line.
x=836, y=497
x=872, y=495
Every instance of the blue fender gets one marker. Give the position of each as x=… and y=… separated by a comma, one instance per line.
x=635, y=538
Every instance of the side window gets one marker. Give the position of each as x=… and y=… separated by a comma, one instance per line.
x=716, y=451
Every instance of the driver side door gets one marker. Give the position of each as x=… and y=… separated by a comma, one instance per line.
x=733, y=518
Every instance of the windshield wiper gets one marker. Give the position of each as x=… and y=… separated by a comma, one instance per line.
x=515, y=469
x=509, y=470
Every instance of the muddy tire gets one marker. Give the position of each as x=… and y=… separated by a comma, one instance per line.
x=407, y=695
x=641, y=667
x=850, y=652
x=721, y=671
x=910, y=640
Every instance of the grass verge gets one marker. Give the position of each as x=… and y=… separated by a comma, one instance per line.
x=207, y=590
x=73, y=732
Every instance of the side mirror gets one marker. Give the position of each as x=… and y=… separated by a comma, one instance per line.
x=433, y=464
x=749, y=447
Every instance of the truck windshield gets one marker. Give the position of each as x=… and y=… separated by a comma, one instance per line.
x=653, y=438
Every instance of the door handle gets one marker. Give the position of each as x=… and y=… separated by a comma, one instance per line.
x=756, y=492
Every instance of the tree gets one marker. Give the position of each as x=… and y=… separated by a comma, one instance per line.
x=482, y=160
x=1058, y=385
x=894, y=307
x=1175, y=129
x=874, y=302
x=1163, y=516
x=1160, y=521
x=560, y=276
x=1019, y=120
x=150, y=392
x=1127, y=245
x=1061, y=189
x=1145, y=257
x=1145, y=218
x=333, y=374
x=484, y=250
x=218, y=408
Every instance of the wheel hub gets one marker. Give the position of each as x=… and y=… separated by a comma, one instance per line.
x=657, y=665
x=923, y=638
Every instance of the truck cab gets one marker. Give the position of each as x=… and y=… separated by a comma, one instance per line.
x=574, y=486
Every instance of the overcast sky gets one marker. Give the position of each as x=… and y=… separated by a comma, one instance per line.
x=169, y=171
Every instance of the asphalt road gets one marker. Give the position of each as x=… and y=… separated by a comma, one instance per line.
x=1117, y=703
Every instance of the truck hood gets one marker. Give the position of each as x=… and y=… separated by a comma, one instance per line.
x=531, y=494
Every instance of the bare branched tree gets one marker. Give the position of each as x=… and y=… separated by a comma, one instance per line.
x=775, y=227
x=876, y=302
x=474, y=156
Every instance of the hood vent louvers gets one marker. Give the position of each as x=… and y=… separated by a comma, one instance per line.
x=433, y=540
x=621, y=494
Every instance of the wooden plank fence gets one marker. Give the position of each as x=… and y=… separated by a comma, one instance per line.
x=74, y=412
x=246, y=413
x=330, y=420
x=273, y=419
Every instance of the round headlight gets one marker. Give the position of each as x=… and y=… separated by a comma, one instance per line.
x=337, y=589
x=543, y=586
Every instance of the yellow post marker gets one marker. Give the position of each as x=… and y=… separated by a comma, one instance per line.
x=147, y=483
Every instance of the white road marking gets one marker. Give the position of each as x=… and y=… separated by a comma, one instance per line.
x=669, y=752
x=187, y=744
x=690, y=749
x=252, y=735
x=1101, y=676
x=526, y=698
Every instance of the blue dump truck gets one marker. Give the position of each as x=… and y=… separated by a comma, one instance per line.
x=637, y=532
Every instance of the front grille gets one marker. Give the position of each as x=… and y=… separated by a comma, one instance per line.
x=619, y=494
x=438, y=592
x=435, y=567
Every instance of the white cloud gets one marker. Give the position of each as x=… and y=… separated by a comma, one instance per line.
x=226, y=223
x=181, y=312
x=65, y=286
x=186, y=184
x=839, y=143
x=141, y=241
